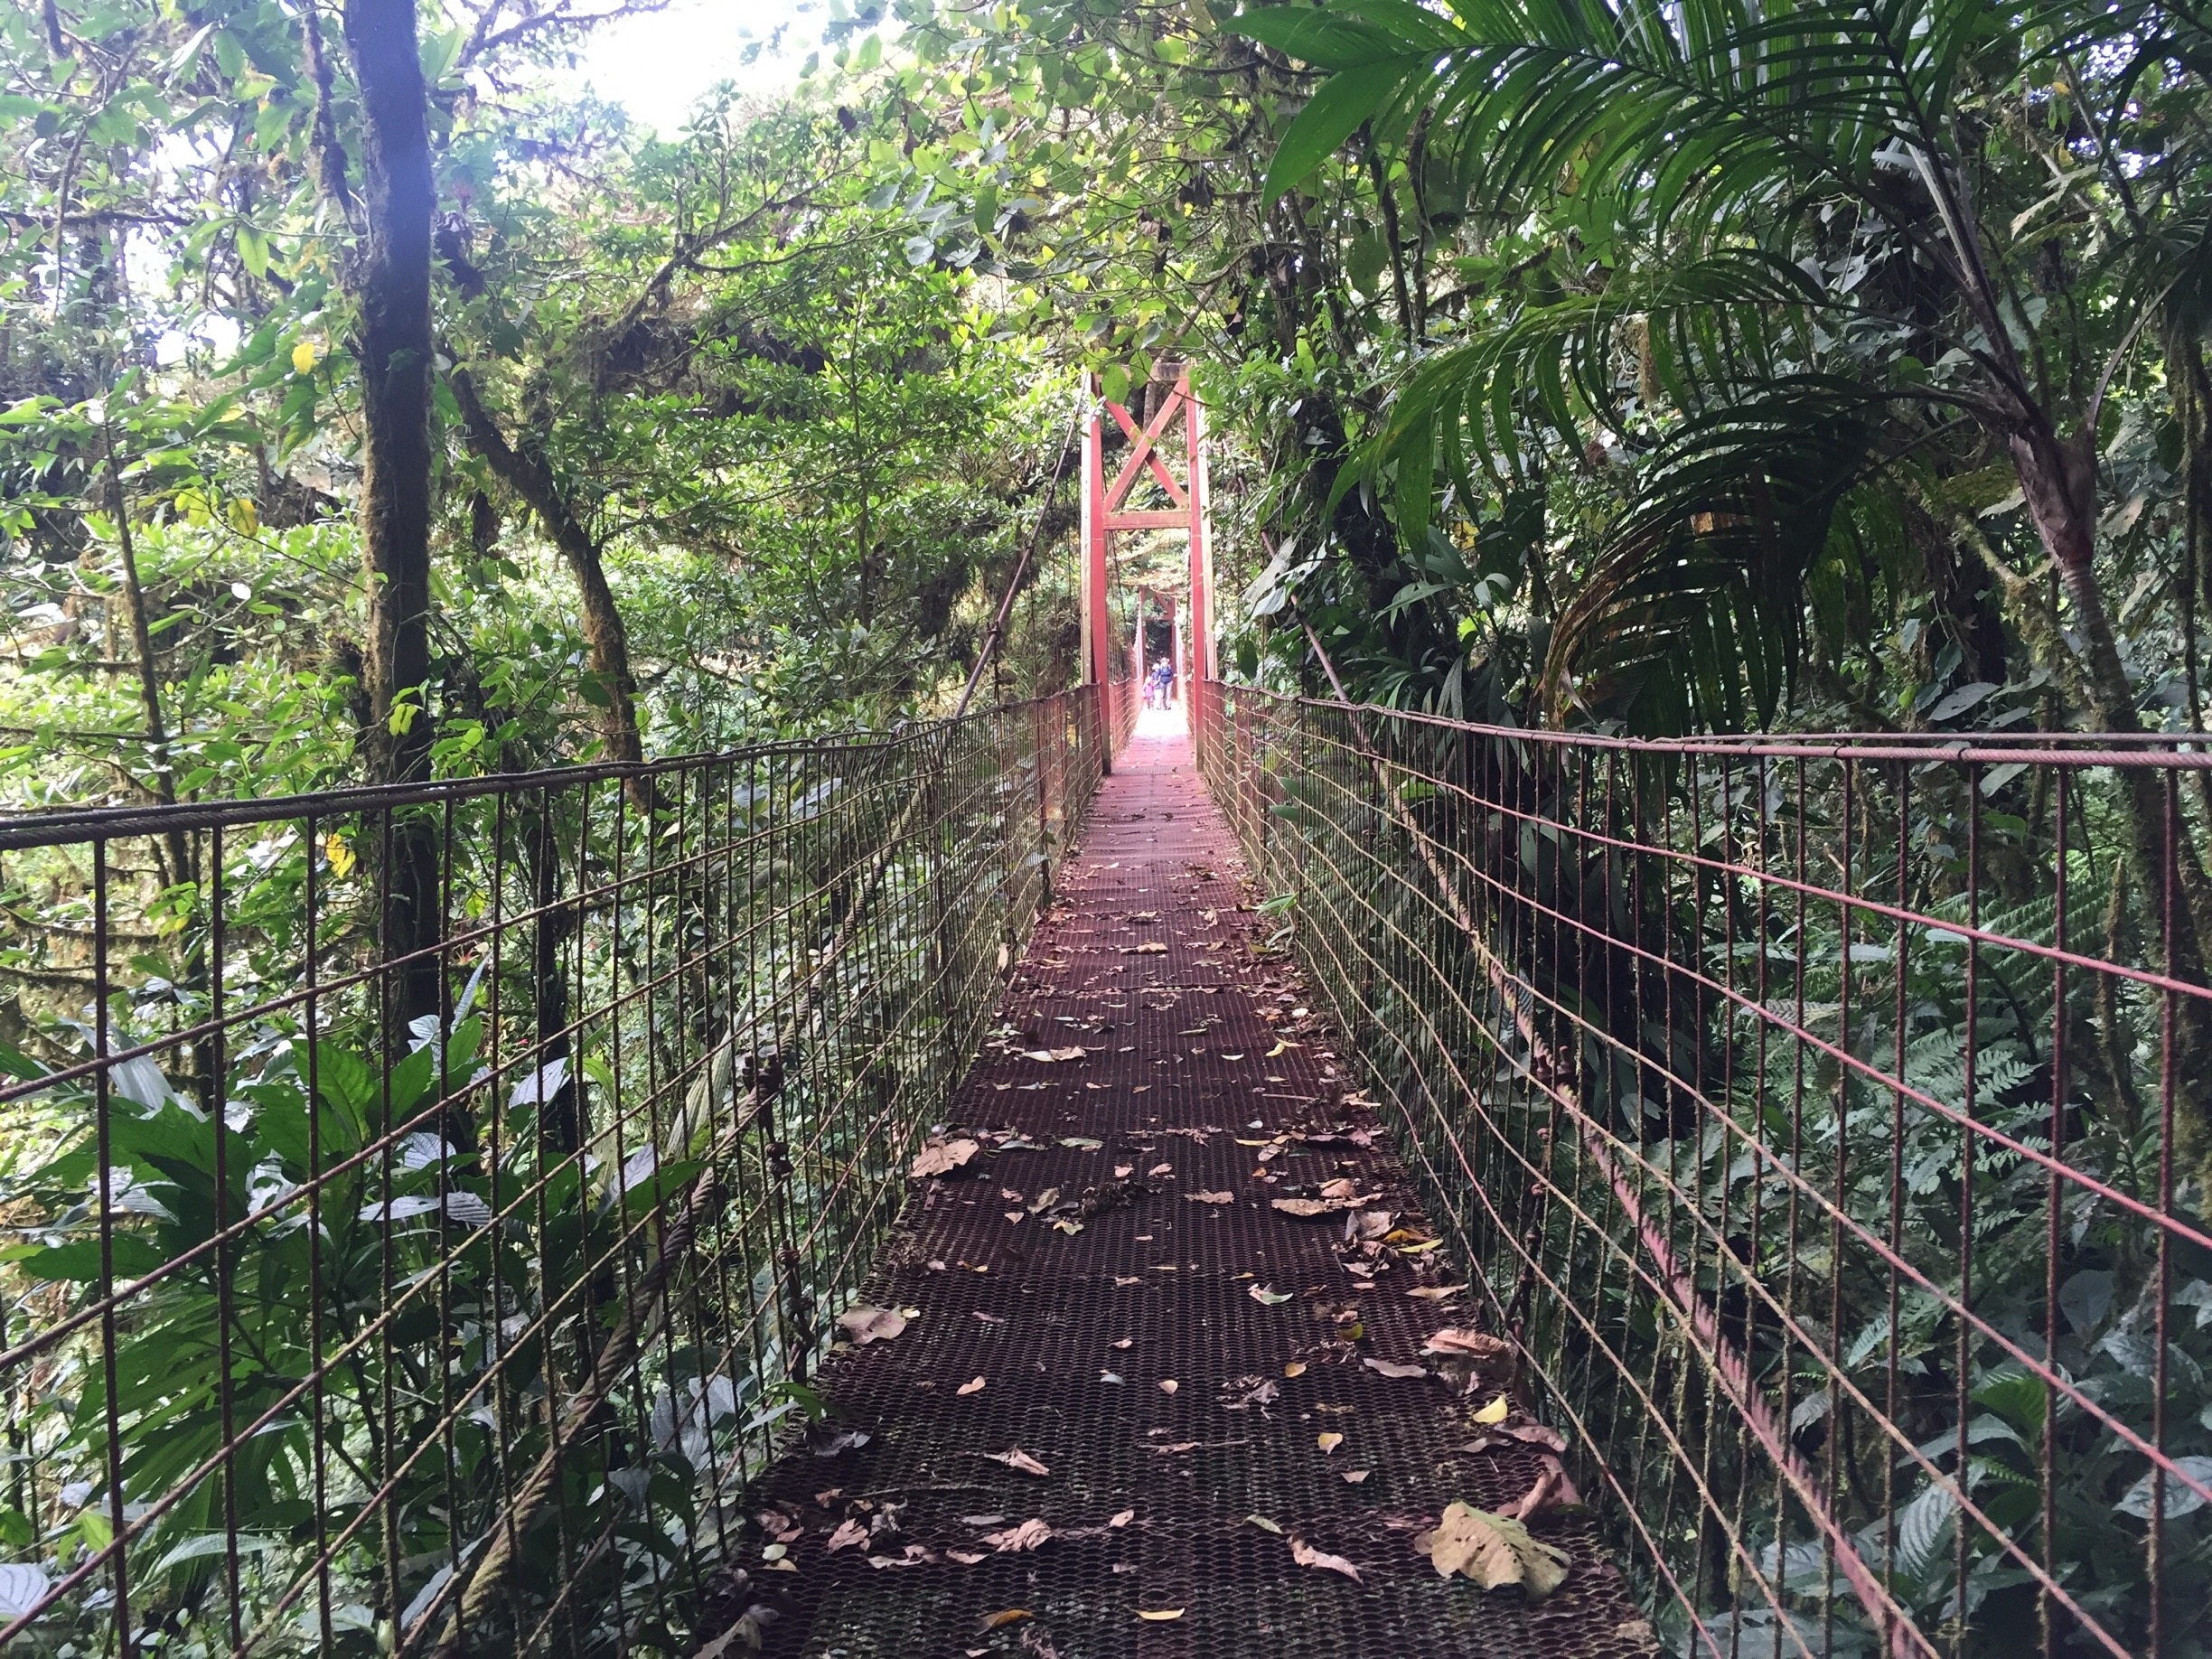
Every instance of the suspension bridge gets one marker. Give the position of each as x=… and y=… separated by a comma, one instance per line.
x=1260, y=1177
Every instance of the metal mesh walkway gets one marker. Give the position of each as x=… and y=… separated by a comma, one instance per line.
x=1081, y=1294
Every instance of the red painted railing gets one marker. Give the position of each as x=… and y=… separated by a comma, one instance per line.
x=1828, y=1117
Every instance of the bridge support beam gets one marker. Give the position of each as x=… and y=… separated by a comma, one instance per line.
x=1106, y=509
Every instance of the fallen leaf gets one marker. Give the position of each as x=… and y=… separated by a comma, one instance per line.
x=1014, y=1216
x=1353, y=1477
x=1043, y=1200
x=974, y=1387
x=1110, y=1376
x=1264, y=1524
x=1210, y=1197
x=1123, y=1518
x=1306, y=1555
x=1280, y=1047
x=1342, y=1188
x=1028, y=1535
x=1134, y=1279
x=1009, y=1615
x=1158, y=1615
x=1270, y=1297
x=1069, y=1227
x=942, y=1156
x=1047, y=1057
x=1123, y=1171
x=852, y=1533
x=1151, y=947
x=1495, y=1412
x=1436, y=1293
x=1017, y=1458
x=1309, y=1209
x=966, y=1558
x=1122, y=1342
x=1328, y=1442
x=1492, y=1551
x=1389, y=1368
x=1419, y=1249
x=1168, y=1385
x=1296, y=1368
x=1082, y=1143
x=1174, y=1448
x=1491, y=1350
x=864, y=1325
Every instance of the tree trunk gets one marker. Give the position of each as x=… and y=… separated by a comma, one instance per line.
x=605, y=641
x=2058, y=483
x=392, y=287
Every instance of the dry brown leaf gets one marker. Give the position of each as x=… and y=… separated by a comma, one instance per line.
x=1493, y=1551
x=1157, y=1170
x=1168, y=1385
x=1122, y=1518
x=1017, y=1458
x=1151, y=947
x=1306, y=1555
x=1210, y=1197
x=1006, y=1616
x=1436, y=1293
x=1046, y=1056
x=1028, y=1535
x=1305, y=1209
x=1353, y=1477
x=943, y=1156
x=1493, y=1351
x=1296, y=1368
x=1123, y=1171
x=864, y=1325
x=850, y=1533
x=974, y=1386
x=1044, y=1201
x=966, y=1558
x=1395, y=1369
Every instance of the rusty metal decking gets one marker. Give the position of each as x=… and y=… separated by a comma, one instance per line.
x=1135, y=1350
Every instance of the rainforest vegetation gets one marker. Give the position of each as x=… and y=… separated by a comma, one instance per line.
x=373, y=411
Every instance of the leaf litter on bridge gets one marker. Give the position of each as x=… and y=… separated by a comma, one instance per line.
x=1183, y=1370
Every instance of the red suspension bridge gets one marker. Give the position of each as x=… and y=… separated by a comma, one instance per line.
x=1431, y=1189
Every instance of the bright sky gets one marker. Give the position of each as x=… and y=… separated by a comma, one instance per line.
x=658, y=65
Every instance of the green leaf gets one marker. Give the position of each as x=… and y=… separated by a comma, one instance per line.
x=1346, y=100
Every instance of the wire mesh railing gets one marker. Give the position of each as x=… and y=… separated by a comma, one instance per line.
x=1829, y=1121
x=426, y=1204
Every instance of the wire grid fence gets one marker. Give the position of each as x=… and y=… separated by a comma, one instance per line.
x=1827, y=1118
x=362, y=1300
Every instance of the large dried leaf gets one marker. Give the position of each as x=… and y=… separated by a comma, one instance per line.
x=942, y=1158
x=1028, y=1535
x=1017, y=1458
x=864, y=1325
x=1492, y=1551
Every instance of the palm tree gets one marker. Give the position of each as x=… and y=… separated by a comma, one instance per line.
x=1784, y=211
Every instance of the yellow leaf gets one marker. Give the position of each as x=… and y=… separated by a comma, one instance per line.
x=1495, y=1412
x=304, y=356
x=1011, y=1616
x=1328, y=1442
x=1158, y=1615
x=342, y=856
x=1296, y=1368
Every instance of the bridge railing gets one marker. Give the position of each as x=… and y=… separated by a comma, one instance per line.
x=1828, y=1119
x=362, y=1298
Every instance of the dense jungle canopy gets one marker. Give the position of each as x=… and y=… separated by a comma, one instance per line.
x=374, y=406
x=371, y=411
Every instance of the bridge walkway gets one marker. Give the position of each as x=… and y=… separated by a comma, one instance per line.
x=1136, y=1408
